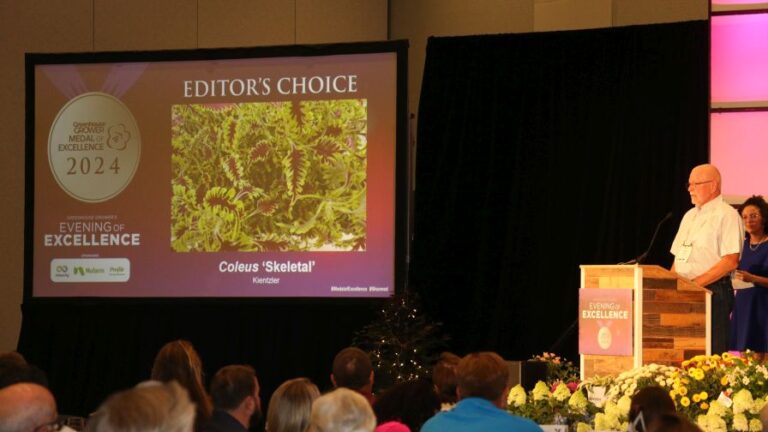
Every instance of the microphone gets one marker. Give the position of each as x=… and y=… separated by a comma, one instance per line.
x=644, y=255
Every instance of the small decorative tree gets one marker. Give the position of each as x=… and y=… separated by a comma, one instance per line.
x=402, y=341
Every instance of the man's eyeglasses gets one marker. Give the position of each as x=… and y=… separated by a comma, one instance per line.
x=694, y=184
x=53, y=426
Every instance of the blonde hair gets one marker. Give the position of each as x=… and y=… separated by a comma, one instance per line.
x=151, y=406
x=342, y=410
x=291, y=405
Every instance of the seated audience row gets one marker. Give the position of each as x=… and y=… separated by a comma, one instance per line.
x=474, y=388
x=176, y=401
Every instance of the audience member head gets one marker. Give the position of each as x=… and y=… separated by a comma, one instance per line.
x=341, y=410
x=651, y=402
x=291, y=405
x=12, y=358
x=444, y=377
x=178, y=361
x=15, y=369
x=352, y=369
x=26, y=407
x=151, y=406
x=235, y=389
x=409, y=402
x=483, y=375
x=764, y=417
x=672, y=422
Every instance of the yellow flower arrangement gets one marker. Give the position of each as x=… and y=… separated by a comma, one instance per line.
x=740, y=423
x=561, y=392
x=742, y=402
x=545, y=407
x=718, y=392
x=541, y=391
x=697, y=374
x=717, y=409
x=605, y=422
x=516, y=396
x=699, y=377
x=711, y=423
x=578, y=402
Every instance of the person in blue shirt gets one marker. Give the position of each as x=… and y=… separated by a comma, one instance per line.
x=482, y=390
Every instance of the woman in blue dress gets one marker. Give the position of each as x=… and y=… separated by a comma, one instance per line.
x=749, y=321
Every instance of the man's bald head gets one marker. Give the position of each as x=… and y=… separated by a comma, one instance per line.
x=704, y=184
x=25, y=407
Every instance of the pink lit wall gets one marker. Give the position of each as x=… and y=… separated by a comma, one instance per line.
x=740, y=58
x=739, y=147
x=736, y=2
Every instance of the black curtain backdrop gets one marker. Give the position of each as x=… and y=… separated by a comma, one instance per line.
x=537, y=152
x=540, y=152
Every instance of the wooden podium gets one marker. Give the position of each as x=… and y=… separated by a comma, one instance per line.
x=670, y=317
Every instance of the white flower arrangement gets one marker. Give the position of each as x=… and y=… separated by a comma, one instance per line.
x=719, y=393
x=627, y=383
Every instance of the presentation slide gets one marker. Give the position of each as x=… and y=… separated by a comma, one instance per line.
x=234, y=177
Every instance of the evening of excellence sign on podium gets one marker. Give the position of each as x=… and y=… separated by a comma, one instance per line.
x=605, y=321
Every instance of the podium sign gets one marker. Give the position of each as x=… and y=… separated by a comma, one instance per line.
x=605, y=321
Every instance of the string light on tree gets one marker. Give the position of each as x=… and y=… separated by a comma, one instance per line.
x=402, y=342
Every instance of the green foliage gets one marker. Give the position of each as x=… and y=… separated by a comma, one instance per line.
x=402, y=341
x=277, y=176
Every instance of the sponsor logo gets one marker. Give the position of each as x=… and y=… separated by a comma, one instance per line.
x=66, y=270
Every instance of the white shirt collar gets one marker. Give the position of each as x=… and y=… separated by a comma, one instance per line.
x=714, y=202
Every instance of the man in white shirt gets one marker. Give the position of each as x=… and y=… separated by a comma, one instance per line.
x=707, y=247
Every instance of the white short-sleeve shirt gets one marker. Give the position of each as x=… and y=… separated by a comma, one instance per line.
x=706, y=234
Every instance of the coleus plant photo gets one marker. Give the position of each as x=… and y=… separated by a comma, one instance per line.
x=272, y=176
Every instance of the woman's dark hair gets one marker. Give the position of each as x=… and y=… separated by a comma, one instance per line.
x=762, y=206
x=409, y=402
x=178, y=361
x=650, y=402
x=672, y=423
